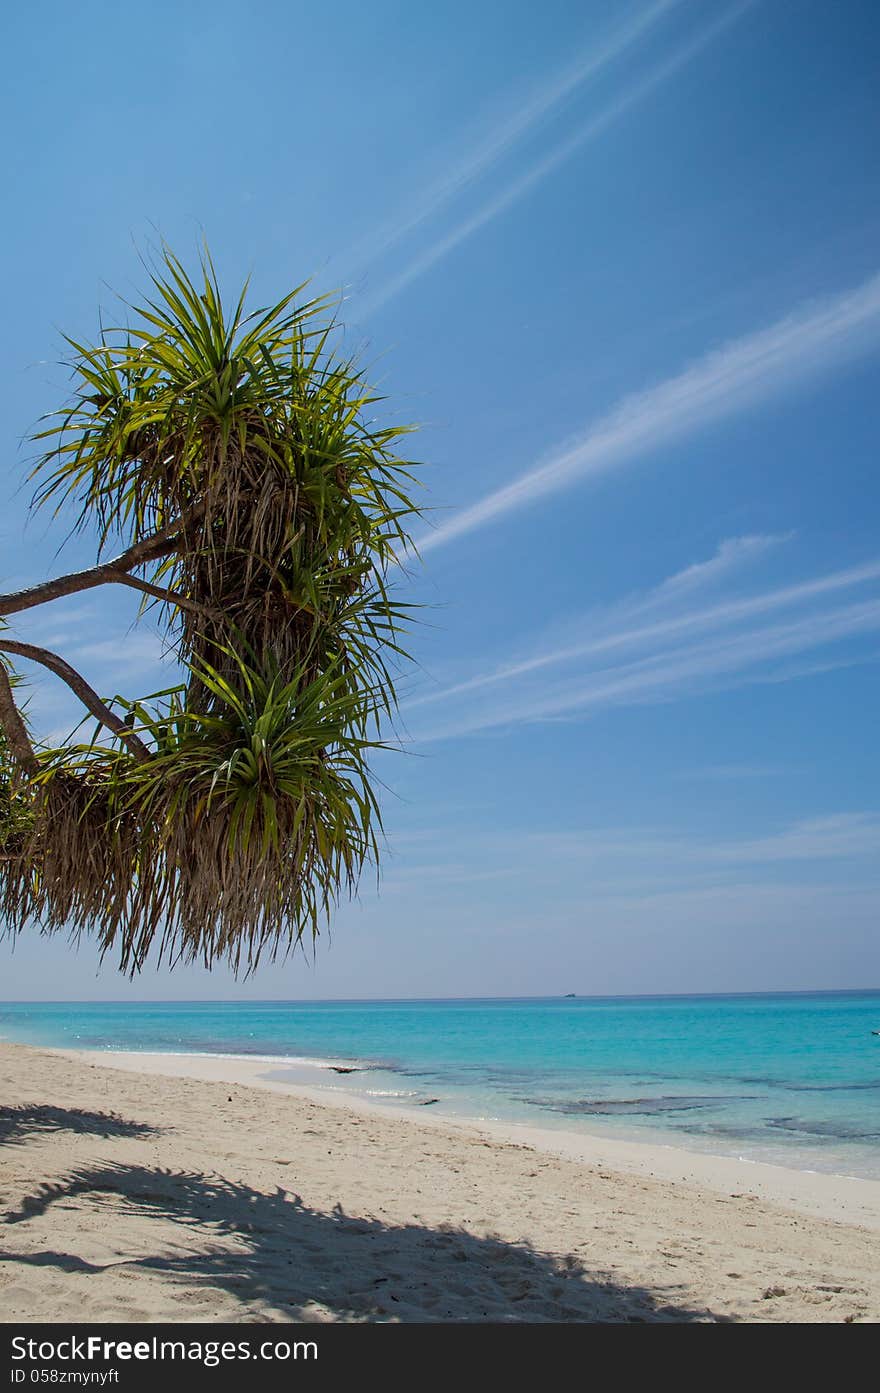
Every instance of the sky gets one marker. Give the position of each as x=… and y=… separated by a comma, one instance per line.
x=620, y=262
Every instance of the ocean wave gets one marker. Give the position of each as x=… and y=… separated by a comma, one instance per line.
x=246, y=1056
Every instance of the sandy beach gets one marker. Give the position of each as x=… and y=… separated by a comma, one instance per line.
x=190, y=1188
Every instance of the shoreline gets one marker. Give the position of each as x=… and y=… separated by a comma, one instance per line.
x=780, y=1085
x=826, y=1195
x=144, y=1195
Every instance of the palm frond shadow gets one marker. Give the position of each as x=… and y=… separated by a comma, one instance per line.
x=26, y=1121
x=278, y=1256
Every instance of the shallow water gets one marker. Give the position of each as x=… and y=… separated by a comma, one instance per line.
x=789, y=1078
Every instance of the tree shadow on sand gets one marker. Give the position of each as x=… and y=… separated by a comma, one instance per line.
x=283, y=1260
x=22, y=1123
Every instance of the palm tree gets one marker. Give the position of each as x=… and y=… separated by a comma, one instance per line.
x=261, y=512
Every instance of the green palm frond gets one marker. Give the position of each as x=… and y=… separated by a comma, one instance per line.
x=247, y=433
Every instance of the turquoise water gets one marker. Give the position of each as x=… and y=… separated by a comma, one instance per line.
x=790, y=1078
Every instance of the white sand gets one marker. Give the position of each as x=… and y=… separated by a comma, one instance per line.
x=159, y=1187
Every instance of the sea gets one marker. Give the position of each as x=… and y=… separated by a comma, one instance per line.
x=789, y=1078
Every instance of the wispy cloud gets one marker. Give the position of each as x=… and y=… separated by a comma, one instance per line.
x=839, y=836
x=732, y=554
x=132, y=651
x=728, y=380
x=615, y=631
x=673, y=675
x=670, y=657
x=560, y=154
x=109, y=664
x=493, y=146
x=596, y=863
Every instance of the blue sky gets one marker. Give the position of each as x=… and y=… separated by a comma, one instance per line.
x=621, y=261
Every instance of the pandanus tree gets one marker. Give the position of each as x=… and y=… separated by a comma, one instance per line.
x=232, y=462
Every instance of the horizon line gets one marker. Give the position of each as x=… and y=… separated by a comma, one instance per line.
x=429, y=1000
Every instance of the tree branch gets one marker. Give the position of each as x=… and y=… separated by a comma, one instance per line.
x=80, y=687
x=14, y=727
x=160, y=594
x=109, y=572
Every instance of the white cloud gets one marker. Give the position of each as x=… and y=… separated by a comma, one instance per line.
x=673, y=676
x=816, y=338
x=109, y=665
x=837, y=836
x=125, y=653
x=590, y=865
x=730, y=556
x=840, y=836
x=487, y=151
x=615, y=630
x=552, y=161
x=673, y=656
